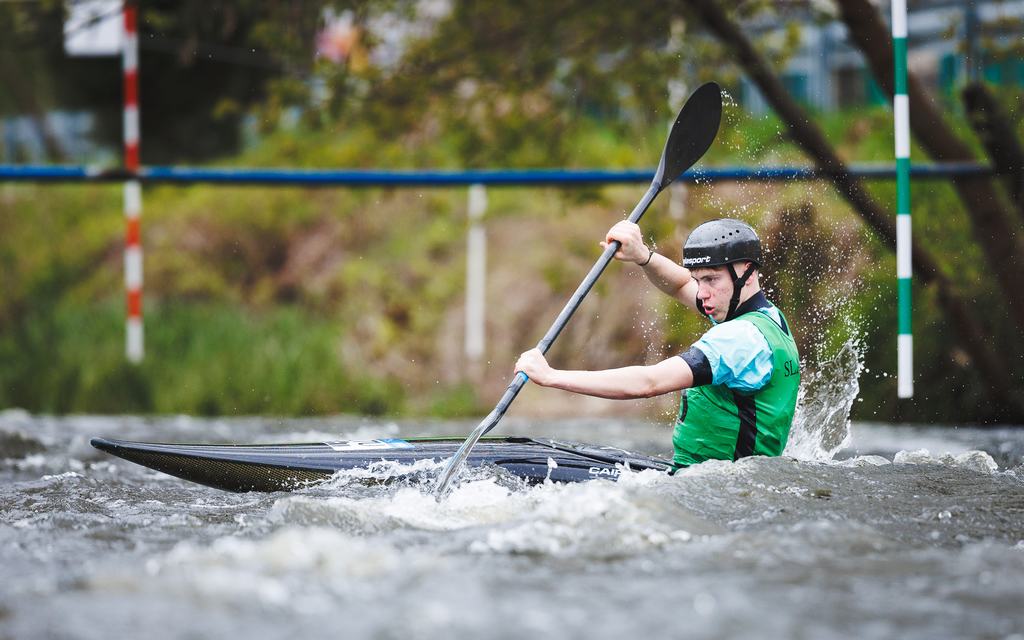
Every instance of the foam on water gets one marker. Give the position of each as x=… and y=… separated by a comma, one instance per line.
x=974, y=460
x=406, y=508
x=863, y=461
x=273, y=568
x=595, y=519
x=595, y=522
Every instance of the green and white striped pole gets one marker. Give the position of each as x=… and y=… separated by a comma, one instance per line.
x=904, y=268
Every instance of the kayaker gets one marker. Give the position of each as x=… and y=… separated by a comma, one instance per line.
x=739, y=380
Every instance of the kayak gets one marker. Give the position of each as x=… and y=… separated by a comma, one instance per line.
x=287, y=467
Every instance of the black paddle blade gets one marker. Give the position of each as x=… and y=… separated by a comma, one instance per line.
x=692, y=134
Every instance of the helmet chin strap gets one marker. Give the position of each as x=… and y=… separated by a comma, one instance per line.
x=738, y=282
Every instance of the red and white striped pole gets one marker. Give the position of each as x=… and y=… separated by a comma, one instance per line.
x=132, y=190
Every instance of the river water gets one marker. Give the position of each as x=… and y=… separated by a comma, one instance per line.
x=908, y=532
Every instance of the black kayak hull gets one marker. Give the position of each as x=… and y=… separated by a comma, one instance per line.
x=287, y=467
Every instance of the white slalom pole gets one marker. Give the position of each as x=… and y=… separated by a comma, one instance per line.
x=476, y=275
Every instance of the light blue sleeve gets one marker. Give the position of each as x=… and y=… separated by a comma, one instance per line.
x=739, y=355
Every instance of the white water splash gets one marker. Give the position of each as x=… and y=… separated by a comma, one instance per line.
x=593, y=519
x=821, y=426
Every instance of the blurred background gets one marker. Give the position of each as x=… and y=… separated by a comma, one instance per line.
x=286, y=300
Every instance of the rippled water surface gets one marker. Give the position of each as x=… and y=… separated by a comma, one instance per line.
x=911, y=533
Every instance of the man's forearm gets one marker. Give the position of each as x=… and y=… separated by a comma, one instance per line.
x=616, y=384
x=671, y=374
x=666, y=275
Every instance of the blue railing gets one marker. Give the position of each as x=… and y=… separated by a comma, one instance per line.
x=503, y=177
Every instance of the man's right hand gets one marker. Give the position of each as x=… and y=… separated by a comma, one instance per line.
x=633, y=248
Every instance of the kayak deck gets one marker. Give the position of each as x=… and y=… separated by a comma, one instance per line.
x=286, y=467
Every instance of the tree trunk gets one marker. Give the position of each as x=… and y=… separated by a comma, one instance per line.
x=988, y=362
x=26, y=101
x=992, y=219
x=998, y=135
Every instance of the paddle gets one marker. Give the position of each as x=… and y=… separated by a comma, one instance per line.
x=692, y=133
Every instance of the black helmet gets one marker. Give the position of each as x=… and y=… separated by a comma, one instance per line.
x=721, y=242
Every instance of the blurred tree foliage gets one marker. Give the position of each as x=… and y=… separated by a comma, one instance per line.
x=513, y=78
x=516, y=80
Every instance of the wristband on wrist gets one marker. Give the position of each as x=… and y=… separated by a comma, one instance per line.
x=648, y=260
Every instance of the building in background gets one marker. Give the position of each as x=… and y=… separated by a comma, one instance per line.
x=950, y=41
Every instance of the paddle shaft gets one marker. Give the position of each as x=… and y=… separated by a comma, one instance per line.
x=520, y=378
x=574, y=302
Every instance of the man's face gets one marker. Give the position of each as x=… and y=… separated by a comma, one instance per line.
x=714, y=290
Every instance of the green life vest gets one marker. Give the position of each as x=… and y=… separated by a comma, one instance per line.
x=716, y=422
